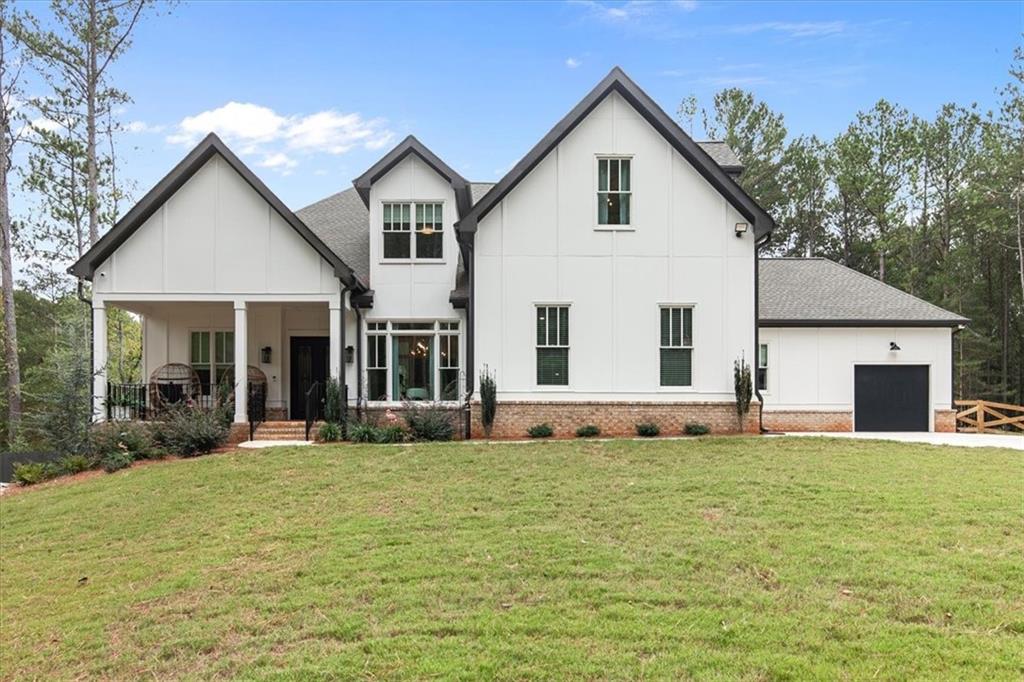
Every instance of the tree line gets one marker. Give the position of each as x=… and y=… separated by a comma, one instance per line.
x=931, y=205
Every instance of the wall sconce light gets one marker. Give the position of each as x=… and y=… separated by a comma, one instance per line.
x=741, y=228
x=350, y=355
x=265, y=354
x=893, y=347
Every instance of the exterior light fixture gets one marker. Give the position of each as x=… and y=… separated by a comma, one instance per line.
x=741, y=228
x=350, y=355
x=265, y=354
x=893, y=347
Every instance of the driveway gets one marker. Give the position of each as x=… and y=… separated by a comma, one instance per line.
x=969, y=440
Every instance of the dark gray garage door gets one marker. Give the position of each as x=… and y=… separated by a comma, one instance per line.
x=890, y=398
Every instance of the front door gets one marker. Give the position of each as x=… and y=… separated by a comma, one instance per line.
x=308, y=365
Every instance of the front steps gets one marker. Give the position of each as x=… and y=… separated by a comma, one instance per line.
x=283, y=430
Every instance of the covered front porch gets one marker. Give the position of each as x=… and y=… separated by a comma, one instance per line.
x=207, y=350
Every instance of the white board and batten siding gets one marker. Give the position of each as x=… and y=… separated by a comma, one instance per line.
x=812, y=368
x=541, y=244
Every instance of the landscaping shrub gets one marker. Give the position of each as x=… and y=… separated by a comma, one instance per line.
x=540, y=431
x=134, y=438
x=696, y=429
x=588, y=431
x=74, y=464
x=116, y=460
x=333, y=407
x=429, y=422
x=395, y=433
x=30, y=473
x=363, y=432
x=330, y=432
x=488, y=400
x=189, y=431
x=647, y=430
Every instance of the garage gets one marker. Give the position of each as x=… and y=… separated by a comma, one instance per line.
x=891, y=398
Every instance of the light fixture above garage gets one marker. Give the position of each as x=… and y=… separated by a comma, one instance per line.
x=741, y=229
x=893, y=347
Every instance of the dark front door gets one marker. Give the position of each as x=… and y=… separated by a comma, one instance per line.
x=890, y=398
x=308, y=366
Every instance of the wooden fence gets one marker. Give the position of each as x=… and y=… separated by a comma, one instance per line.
x=979, y=416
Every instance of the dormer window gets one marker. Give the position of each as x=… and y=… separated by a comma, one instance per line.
x=613, y=191
x=399, y=240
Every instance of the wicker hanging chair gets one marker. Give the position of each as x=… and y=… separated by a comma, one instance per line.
x=171, y=384
x=256, y=378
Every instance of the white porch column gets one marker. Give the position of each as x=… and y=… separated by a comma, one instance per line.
x=334, y=356
x=99, y=360
x=241, y=364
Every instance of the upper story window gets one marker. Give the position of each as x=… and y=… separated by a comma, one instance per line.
x=399, y=240
x=614, y=192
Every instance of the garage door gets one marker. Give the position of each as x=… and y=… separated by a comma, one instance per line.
x=890, y=398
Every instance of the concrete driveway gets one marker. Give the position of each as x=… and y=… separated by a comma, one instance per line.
x=969, y=440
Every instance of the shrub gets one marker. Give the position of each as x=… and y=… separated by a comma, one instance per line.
x=696, y=429
x=588, y=431
x=391, y=434
x=363, y=432
x=488, y=400
x=647, y=430
x=30, y=473
x=743, y=388
x=74, y=464
x=134, y=438
x=429, y=422
x=330, y=432
x=116, y=460
x=333, y=407
x=540, y=431
x=188, y=431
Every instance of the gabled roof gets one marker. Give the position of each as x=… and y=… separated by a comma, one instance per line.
x=342, y=222
x=411, y=145
x=817, y=292
x=618, y=81
x=172, y=182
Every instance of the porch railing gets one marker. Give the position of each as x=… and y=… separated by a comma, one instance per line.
x=314, y=406
x=126, y=401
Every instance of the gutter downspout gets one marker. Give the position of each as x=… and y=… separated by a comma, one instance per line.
x=359, y=362
x=757, y=327
x=470, y=340
x=343, y=370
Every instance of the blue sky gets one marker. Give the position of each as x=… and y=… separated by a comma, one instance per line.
x=320, y=91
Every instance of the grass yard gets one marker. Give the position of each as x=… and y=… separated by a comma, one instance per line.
x=723, y=558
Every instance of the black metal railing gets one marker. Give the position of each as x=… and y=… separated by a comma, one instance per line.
x=256, y=407
x=314, y=406
x=126, y=401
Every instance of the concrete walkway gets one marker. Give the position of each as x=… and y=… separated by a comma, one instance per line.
x=969, y=440
x=256, y=444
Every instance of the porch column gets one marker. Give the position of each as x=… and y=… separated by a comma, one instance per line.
x=241, y=364
x=99, y=360
x=334, y=356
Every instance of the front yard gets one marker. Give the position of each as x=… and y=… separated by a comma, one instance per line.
x=731, y=557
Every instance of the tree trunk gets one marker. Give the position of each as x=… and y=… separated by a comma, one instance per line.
x=10, y=322
x=90, y=128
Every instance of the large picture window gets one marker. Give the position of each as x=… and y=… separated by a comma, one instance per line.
x=403, y=240
x=676, y=346
x=413, y=361
x=614, y=193
x=552, y=345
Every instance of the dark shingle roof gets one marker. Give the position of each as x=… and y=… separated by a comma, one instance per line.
x=804, y=291
x=478, y=189
x=342, y=222
x=722, y=154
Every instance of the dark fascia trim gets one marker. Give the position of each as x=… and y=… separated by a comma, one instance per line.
x=458, y=299
x=363, y=299
x=937, y=324
x=618, y=81
x=172, y=182
x=410, y=145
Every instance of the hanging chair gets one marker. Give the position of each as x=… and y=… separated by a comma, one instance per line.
x=172, y=384
x=257, y=382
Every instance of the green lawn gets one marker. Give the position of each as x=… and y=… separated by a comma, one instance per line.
x=720, y=558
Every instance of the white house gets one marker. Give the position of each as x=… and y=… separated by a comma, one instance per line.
x=611, y=277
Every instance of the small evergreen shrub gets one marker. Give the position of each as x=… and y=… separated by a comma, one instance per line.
x=362, y=432
x=395, y=433
x=430, y=422
x=588, y=431
x=696, y=429
x=74, y=464
x=330, y=432
x=189, y=431
x=333, y=407
x=134, y=438
x=30, y=473
x=647, y=430
x=116, y=460
x=488, y=400
x=540, y=431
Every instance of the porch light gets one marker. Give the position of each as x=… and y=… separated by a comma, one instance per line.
x=265, y=354
x=741, y=228
x=350, y=355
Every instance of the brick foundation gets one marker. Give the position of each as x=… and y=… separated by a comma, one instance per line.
x=239, y=434
x=613, y=418
x=945, y=421
x=800, y=420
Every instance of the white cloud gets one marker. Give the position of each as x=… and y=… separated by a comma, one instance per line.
x=572, y=62
x=138, y=127
x=793, y=29
x=257, y=129
x=623, y=12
